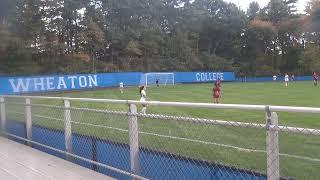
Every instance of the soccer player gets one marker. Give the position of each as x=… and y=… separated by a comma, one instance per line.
x=292, y=77
x=274, y=78
x=121, y=87
x=315, y=78
x=143, y=98
x=242, y=76
x=157, y=82
x=286, y=80
x=216, y=93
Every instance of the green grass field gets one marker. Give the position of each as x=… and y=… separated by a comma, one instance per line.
x=300, y=154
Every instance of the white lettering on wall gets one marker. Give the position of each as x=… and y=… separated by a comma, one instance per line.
x=221, y=77
x=61, y=83
x=93, y=81
x=21, y=86
x=214, y=76
x=38, y=82
x=83, y=81
x=202, y=77
x=50, y=85
x=206, y=77
x=209, y=76
x=72, y=78
x=198, y=77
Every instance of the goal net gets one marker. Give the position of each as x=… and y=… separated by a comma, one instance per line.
x=150, y=79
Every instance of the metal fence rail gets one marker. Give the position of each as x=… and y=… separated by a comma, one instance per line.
x=129, y=144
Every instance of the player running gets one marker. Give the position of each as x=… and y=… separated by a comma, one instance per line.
x=216, y=93
x=286, y=80
x=292, y=77
x=274, y=78
x=315, y=78
x=157, y=82
x=121, y=87
x=143, y=98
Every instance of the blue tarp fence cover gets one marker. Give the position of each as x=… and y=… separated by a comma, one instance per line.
x=57, y=83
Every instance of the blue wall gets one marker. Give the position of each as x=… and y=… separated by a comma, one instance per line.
x=202, y=77
x=56, y=83
x=35, y=84
x=18, y=85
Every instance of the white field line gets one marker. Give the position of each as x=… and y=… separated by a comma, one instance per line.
x=305, y=131
x=183, y=139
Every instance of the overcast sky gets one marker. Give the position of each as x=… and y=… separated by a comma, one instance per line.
x=245, y=3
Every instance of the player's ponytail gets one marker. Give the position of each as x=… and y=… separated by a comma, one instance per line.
x=141, y=88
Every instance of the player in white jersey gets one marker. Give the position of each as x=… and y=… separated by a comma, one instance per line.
x=143, y=97
x=286, y=80
x=121, y=87
x=274, y=78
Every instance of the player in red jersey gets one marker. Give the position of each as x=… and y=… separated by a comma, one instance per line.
x=216, y=93
x=315, y=78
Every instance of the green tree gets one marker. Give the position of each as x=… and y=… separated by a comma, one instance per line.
x=92, y=41
x=253, y=10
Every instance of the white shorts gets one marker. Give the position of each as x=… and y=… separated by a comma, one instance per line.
x=142, y=99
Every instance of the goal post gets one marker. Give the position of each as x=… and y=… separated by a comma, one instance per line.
x=164, y=79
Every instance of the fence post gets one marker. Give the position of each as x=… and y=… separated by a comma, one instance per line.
x=134, y=139
x=3, y=114
x=94, y=153
x=67, y=129
x=272, y=145
x=28, y=121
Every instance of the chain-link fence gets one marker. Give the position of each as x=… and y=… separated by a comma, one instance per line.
x=111, y=137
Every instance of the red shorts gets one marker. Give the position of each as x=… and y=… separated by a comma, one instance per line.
x=216, y=95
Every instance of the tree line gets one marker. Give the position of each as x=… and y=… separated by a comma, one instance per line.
x=88, y=36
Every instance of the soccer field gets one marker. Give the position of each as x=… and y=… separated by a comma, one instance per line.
x=239, y=147
x=298, y=94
